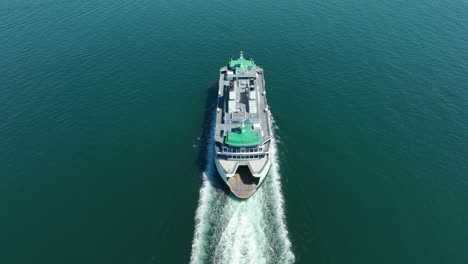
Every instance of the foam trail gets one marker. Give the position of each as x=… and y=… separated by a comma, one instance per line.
x=228, y=230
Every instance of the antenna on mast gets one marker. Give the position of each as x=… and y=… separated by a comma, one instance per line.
x=241, y=55
x=243, y=125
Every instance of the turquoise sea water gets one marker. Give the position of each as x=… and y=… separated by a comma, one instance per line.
x=105, y=115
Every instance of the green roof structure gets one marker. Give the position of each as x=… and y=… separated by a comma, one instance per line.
x=243, y=137
x=241, y=63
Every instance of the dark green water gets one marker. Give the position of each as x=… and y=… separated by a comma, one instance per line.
x=103, y=115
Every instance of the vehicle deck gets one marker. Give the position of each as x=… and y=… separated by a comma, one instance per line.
x=243, y=184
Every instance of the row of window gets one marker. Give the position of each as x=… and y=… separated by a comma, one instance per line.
x=243, y=157
x=242, y=150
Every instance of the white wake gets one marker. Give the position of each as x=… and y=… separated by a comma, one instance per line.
x=228, y=230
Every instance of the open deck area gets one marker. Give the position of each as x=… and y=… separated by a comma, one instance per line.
x=243, y=184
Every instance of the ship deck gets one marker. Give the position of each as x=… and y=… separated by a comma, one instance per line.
x=261, y=115
x=243, y=184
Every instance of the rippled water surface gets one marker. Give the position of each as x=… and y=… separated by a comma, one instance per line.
x=105, y=119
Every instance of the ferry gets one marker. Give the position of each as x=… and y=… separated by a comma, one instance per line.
x=243, y=127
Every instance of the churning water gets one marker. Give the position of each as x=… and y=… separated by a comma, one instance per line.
x=229, y=230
